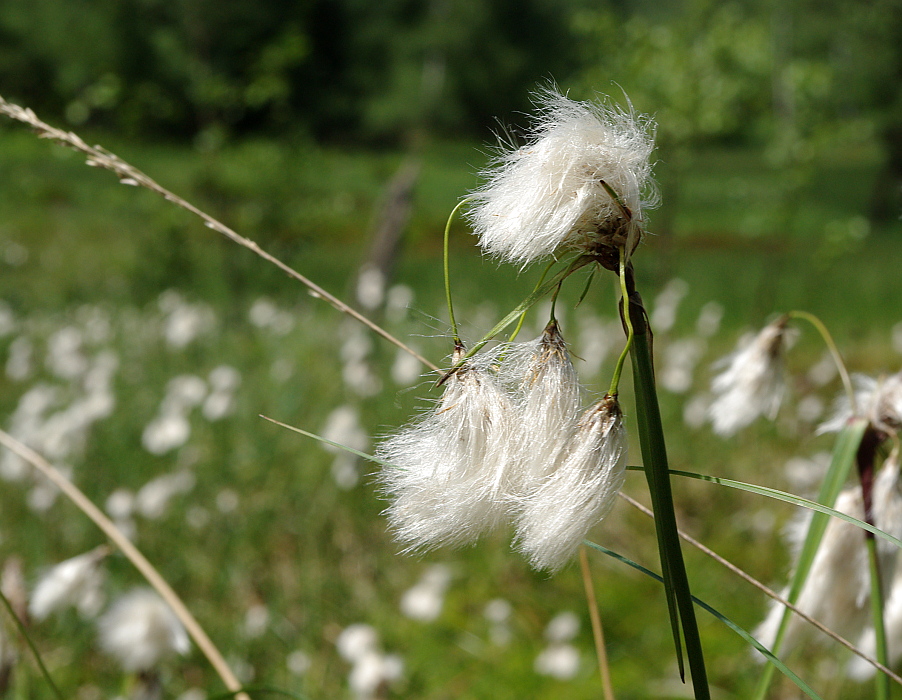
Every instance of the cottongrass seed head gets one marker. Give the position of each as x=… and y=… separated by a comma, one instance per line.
x=140, y=630
x=752, y=383
x=445, y=469
x=77, y=581
x=551, y=193
x=556, y=517
x=548, y=397
x=877, y=400
x=837, y=590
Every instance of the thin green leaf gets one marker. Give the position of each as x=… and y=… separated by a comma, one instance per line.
x=847, y=444
x=654, y=456
x=371, y=458
x=34, y=650
x=778, y=495
x=804, y=687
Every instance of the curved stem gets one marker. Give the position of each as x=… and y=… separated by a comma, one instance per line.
x=446, y=268
x=86, y=506
x=618, y=369
x=545, y=272
x=834, y=352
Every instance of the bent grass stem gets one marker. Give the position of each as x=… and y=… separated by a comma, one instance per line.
x=133, y=554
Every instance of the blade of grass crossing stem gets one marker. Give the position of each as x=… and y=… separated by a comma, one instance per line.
x=804, y=687
x=786, y=498
x=844, y=452
x=654, y=456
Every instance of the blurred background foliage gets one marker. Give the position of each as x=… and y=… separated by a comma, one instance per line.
x=794, y=77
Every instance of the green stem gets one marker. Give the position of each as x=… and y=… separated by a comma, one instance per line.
x=844, y=454
x=545, y=272
x=27, y=637
x=618, y=369
x=654, y=456
x=446, y=268
x=834, y=352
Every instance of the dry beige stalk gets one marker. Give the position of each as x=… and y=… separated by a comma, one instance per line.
x=99, y=157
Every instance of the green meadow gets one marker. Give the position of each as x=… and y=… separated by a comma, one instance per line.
x=277, y=544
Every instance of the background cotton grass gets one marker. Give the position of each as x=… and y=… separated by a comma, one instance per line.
x=550, y=193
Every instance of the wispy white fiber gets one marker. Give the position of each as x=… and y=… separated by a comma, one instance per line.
x=140, y=630
x=548, y=402
x=752, y=383
x=446, y=468
x=878, y=400
x=549, y=194
x=837, y=590
x=556, y=517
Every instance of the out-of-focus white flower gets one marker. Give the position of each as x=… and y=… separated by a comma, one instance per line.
x=265, y=314
x=679, y=360
x=548, y=407
x=424, y=601
x=805, y=474
x=77, y=581
x=140, y=630
x=551, y=193
x=753, y=382
x=184, y=392
x=373, y=672
x=64, y=355
x=165, y=433
x=398, y=300
x=224, y=380
x=559, y=661
x=227, y=501
x=153, y=498
x=445, y=469
x=878, y=400
x=563, y=627
x=370, y=287
x=556, y=517
x=18, y=363
x=406, y=369
x=596, y=340
x=256, y=620
x=664, y=309
x=498, y=611
x=298, y=662
x=837, y=590
x=184, y=322
x=708, y=322
x=357, y=640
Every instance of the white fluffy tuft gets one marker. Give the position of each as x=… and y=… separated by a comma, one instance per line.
x=140, y=630
x=446, y=468
x=752, y=383
x=837, y=590
x=556, y=517
x=549, y=193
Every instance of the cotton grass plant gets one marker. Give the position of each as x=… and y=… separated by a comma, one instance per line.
x=514, y=441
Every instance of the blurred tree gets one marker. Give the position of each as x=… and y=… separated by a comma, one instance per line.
x=348, y=68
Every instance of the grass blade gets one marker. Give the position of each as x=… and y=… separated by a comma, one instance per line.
x=774, y=661
x=778, y=495
x=844, y=453
x=654, y=456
